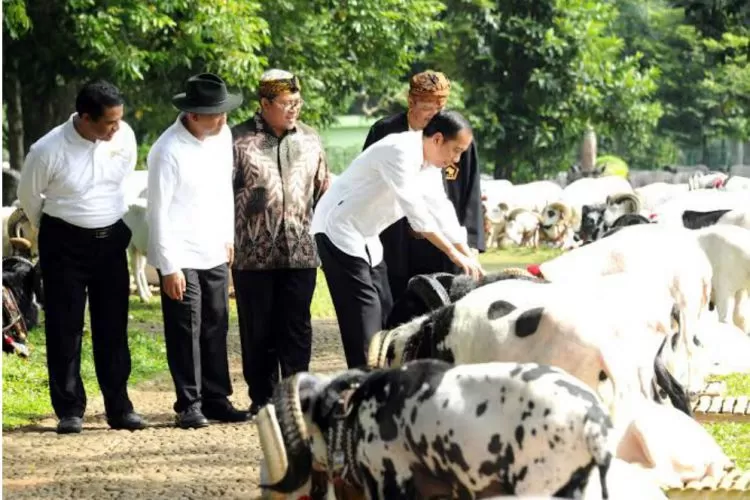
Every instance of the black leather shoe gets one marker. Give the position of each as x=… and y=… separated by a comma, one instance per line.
x=224, y=412
x=191, y=418
x=128, y=421
x=70, y=425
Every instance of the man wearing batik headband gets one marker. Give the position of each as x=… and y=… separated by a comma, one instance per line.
x=406, y=254
x=280, y=172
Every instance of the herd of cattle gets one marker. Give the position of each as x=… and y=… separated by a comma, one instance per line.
x=574, y=378
x=568, y=379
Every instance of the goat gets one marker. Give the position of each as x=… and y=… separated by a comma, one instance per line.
x=405, y=433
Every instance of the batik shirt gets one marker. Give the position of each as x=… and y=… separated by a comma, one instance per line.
x=277, y=183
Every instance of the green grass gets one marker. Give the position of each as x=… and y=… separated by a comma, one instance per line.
x=734, y=438
x=25, y=381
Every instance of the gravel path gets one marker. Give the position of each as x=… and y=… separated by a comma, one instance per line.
x=162, y=461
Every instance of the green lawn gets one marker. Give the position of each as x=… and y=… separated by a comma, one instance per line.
x=25, y=382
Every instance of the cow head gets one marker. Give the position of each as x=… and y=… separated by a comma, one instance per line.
x=294, y=429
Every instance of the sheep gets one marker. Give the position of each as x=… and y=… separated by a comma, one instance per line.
x=728, y=249
x=737, y=183
x=522, y=227
x=428, y=292
x=23, y=296
x=135, y=219
x=599, y=218
x=578, y=329
x=672, y=260
x=403, y=433
x=591, y=191
x=556, y=228
x=20, y=236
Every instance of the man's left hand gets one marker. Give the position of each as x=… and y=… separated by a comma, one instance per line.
x=230, y=254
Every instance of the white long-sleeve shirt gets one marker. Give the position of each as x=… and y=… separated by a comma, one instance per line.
x=190, y=200
x=387, y=181
x=77, y=180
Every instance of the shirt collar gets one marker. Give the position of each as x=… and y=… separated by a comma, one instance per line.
x=184, y=134
x=73, y=137
x=261, y=125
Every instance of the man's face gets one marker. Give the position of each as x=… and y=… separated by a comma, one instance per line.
x=282, y=111
x=443, y=153
x=107, y=125
x=422, y=110
x=210, y=124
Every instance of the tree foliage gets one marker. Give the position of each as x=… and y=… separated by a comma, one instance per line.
x=536, y=74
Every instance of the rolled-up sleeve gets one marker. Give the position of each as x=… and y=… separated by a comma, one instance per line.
x=440, y=206
x=161, y=184
x=35, y=175
x=395, y=171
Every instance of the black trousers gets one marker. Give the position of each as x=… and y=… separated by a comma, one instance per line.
x=273, y=308
x=195, y=331
x=77, y=262
x=360, y=295
x=407, y=256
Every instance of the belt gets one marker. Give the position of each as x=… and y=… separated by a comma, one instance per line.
x=96, y=233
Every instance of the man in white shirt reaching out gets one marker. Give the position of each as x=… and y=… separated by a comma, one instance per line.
x=393, y=178
x=191, y=244
x=72, y=189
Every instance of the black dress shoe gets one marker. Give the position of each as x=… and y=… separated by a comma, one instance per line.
x=191, y=418
x=224, y=412
x=70, y=425
x=130, y=421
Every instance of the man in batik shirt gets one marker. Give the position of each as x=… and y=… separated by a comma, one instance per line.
x=280, y=172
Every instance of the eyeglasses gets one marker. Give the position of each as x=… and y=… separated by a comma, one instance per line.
x=290, y=105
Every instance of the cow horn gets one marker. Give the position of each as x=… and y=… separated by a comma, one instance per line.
x=14, y=221
x=635, y=202
x=284, y=437
x=430, y=290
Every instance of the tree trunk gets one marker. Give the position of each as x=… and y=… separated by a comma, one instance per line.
x=588, y=151
x=503, y=170
x=15, y=144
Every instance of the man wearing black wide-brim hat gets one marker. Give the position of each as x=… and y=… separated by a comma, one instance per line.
x=191, y=244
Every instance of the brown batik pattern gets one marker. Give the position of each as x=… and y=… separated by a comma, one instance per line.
x=276, y=185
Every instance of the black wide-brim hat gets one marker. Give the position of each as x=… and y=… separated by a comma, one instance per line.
x=206, y=94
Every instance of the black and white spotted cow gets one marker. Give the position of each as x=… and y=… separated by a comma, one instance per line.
x=22, y=299
x=430, y=430
x=602, y=333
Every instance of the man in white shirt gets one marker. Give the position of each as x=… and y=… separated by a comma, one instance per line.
x=394, y=177
x=72, y=189
x=191, y=244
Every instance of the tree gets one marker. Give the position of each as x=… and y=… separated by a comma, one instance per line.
x=51, y=47
x=537, y=74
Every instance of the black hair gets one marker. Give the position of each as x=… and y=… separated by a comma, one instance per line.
x=97, y=95
x=448, y=123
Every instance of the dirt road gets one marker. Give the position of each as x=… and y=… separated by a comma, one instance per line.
x=161, y=462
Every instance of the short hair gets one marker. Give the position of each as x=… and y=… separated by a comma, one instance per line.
x=97, y=95
x=448, y=123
